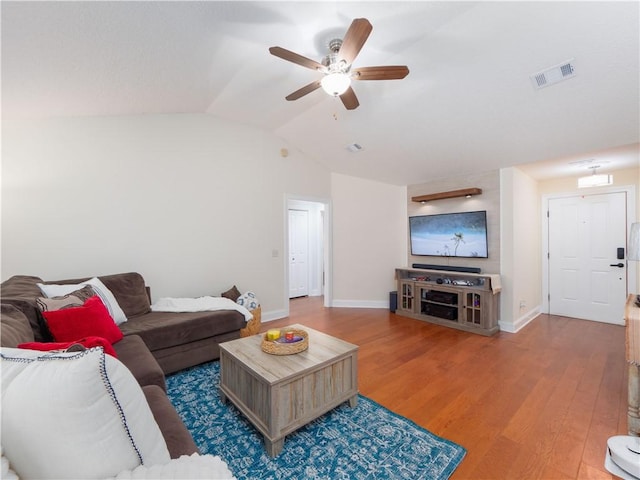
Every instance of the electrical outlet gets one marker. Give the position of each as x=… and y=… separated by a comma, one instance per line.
x=523, y=304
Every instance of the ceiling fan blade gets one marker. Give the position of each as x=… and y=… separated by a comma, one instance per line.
x=390, y=72
x=295, y=58
x=349, y=99
x=354, y=40
x=303, y=91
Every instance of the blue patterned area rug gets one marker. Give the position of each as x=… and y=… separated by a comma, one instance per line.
x=366, y=442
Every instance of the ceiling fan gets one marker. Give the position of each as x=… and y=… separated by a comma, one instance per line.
x=337, y=66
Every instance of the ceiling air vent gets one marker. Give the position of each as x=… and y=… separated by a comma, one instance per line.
x=553, y=75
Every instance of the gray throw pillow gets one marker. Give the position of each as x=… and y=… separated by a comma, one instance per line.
x=73, y=299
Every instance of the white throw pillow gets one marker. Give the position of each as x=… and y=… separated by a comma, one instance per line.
x=196, y=466
x=53, y=290
x=248, y=300
x=75, y=415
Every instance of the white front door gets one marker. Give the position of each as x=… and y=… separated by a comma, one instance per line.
x=586, y=279
x=298, y=253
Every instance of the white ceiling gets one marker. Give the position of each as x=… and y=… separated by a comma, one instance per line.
x=467, y=105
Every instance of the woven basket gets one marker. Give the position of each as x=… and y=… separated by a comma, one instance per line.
x=276, y=348
x=253, y=325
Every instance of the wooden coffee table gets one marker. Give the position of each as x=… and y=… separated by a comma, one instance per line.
x=281, y=393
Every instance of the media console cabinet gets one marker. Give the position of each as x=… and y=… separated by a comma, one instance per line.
x=466, y=301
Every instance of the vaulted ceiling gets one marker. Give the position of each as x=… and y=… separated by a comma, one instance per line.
x=468, y=104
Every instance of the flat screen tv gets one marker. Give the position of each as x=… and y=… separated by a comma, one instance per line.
x=449, y=235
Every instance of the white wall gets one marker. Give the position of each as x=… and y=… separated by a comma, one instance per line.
x=196, y=205
x=489, y=200
x=369, y=240
x=520, y=254
x=193, y=203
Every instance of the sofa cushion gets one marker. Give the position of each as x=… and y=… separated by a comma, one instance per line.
x=179, y=357
x=90, y=320
x=22, y=291
x=83, y=414
x=175, y=433
x=129, y=290
x=167, y=329
x=106, y=296
x=15, y=326
x=21, y=286
x=136, y=356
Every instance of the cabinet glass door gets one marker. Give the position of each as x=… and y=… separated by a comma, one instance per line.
x=473, y=308
x=407, y=296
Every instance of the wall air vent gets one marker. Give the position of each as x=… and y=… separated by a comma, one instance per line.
x=553, y=75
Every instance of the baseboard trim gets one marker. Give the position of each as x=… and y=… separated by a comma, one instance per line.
x=360, y=303
x=520, y=323
x=273, y=315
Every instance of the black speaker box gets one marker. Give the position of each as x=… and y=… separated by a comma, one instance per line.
x=440, y=311
x=442, y=297
x=393, y=301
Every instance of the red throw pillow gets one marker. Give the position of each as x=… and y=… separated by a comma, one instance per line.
x=90, y=320
x=87, y=342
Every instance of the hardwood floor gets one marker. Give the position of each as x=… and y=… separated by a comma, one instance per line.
x=539, y=404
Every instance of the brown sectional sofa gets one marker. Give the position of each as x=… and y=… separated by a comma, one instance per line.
x=154, y=343
x=176, y=340
x=132, y=352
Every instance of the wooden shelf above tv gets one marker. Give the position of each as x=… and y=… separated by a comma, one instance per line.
x=465, y=192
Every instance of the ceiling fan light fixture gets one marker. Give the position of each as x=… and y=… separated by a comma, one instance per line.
x=337, y=66
x=336, y=83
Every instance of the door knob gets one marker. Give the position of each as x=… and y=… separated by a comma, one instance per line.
x=619, y=265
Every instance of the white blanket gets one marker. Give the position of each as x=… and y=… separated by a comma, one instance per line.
x=201, y=304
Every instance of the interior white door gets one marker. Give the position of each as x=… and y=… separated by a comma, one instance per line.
x=298, y=253
x=586, y=279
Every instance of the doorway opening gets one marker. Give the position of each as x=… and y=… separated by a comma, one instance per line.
x=307, y=247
